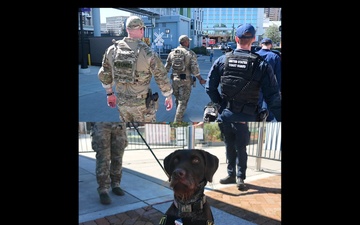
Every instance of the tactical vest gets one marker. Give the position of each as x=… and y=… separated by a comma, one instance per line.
x=240, y=83
x=178, y=62
x=125, y=62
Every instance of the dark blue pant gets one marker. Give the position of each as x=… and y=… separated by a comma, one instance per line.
x=236, y=137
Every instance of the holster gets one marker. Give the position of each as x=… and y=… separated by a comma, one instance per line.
x=262, y=115
x=182, y=76
x=151, y=97
x=193, y=81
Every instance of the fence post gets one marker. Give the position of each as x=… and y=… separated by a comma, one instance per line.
x=191, y=137
x=260, y=145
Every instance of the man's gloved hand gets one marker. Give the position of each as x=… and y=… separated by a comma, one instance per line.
x=111, y=101
x=168, y=103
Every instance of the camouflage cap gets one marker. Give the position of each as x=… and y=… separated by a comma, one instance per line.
x=134, y=22
x=184, y=38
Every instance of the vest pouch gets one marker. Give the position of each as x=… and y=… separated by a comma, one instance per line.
x=182, y=76
x=235, y=107
x=250, y=109
x=238, y=107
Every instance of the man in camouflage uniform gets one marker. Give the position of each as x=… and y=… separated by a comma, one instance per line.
x=135, y=101
x=182, y=84
x=109, y=140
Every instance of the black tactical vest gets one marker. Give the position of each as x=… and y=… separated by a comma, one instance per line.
x=241, y=81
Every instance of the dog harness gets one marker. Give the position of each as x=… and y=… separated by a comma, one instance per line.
x=193, y=205
x=172, y=220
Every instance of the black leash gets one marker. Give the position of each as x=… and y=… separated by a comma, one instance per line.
x=150, y=149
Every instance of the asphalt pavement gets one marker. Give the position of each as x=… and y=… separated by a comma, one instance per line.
x=93, y=106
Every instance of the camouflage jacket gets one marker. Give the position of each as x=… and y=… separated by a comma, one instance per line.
x=148, y=64
x=191, y=63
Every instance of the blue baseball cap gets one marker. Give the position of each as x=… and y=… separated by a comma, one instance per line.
x=245, y=28
x=266, y=40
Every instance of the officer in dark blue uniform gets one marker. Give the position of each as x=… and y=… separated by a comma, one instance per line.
x=275, y=61
x=241, y=75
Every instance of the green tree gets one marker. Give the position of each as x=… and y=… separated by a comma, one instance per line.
x=273, y=33
x=219, y=25
x=212, y=132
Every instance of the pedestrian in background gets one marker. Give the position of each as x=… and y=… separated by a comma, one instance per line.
x=211, y=53
x=129, y=65
x=183, y=62
x=109, y=140
x=275, y=61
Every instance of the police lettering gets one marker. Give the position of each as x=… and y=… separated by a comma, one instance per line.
x=238, y=63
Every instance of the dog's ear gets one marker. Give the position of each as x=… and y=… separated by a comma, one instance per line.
x=212, y=164
x=167, y=164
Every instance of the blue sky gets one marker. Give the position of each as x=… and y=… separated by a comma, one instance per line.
x=108, y=12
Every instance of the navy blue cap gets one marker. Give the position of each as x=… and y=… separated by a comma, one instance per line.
x=245, y=28
x=266, y=40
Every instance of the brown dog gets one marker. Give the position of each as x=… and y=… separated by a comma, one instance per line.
x=189, y=171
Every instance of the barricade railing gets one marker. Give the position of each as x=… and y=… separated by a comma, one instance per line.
x=265, y=138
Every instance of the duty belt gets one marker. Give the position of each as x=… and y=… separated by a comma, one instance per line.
x=178, y=74
x=133, y=96
x=239, y=107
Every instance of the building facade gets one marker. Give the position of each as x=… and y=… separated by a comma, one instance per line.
x=200, y=24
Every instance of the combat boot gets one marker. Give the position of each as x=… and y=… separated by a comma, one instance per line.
x=118, y=191
x=240, y=184
x=228, y=180
x=105, y=198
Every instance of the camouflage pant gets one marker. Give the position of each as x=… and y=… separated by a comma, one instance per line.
x=135, y=110
x=109, y=140
x=181, y=91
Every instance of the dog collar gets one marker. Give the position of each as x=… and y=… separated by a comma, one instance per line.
x=195, y=206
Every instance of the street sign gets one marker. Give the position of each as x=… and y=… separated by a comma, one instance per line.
x=158, y=38
x=159, y=43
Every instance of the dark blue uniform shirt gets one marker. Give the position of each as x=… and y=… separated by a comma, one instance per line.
x=274, y=60
x=269, y=88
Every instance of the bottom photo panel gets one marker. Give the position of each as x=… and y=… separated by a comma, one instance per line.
x=179, y=173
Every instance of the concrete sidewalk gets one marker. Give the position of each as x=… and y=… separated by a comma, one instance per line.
x=145, y=185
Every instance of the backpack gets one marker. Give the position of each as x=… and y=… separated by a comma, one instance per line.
x=178, y=62
x=125, y=62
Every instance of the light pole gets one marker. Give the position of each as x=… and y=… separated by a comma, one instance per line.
x=83, y=53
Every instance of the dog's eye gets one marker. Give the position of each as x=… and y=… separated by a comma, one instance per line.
x=195, y=160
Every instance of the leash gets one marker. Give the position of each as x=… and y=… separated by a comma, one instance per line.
x=137, y=130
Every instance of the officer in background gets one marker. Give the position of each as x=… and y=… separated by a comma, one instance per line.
x=241, y=75
x=181, y=78
x=275, y=61
x=129, y=64
x=109, y=140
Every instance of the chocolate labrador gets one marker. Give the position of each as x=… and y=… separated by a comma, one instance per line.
x=189, y=171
